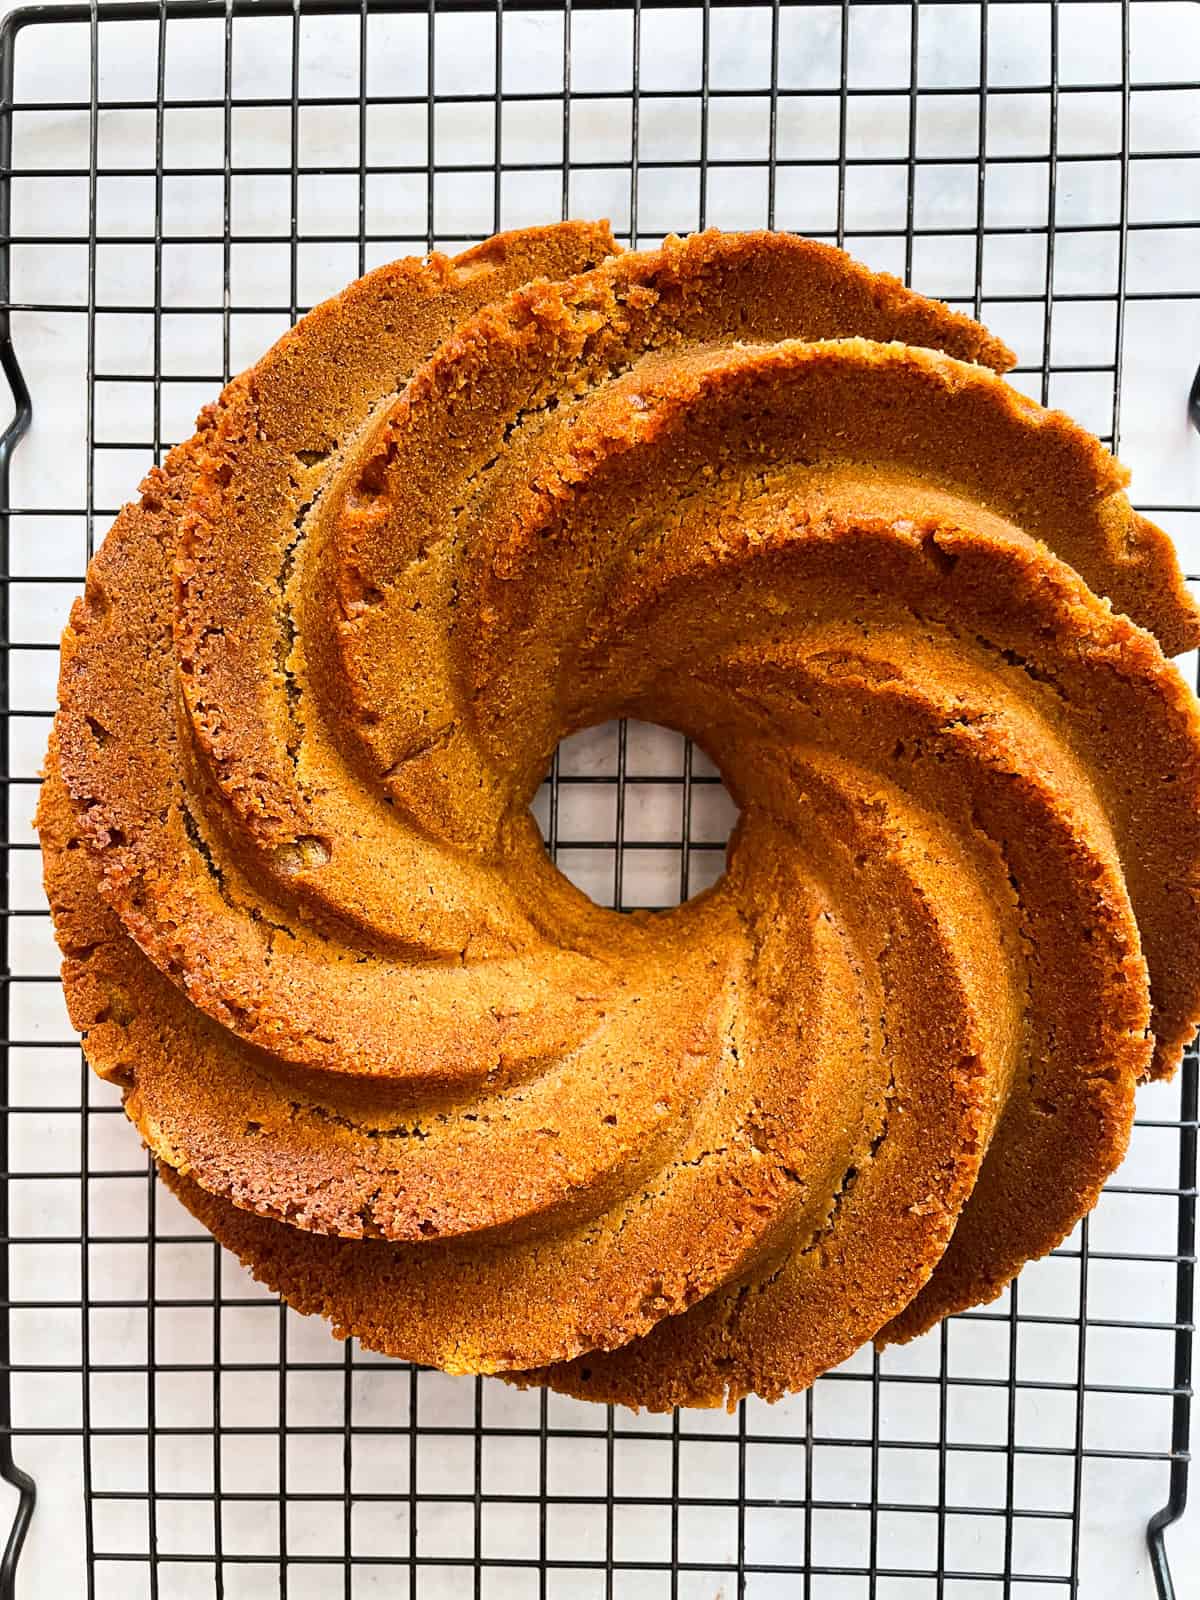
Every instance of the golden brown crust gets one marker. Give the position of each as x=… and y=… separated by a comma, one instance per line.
x=389, y=1056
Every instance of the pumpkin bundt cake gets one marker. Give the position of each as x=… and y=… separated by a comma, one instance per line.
x=740, y=486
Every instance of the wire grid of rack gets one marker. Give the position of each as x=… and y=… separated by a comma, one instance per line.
x=177, y=182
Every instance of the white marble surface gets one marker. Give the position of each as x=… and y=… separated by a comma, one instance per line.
x=1161, y=347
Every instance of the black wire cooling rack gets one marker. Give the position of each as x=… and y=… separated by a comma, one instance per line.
x=177, y=182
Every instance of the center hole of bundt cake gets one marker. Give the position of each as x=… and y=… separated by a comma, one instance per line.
x=635, y=815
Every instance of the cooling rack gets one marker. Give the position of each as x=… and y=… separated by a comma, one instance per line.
x=177, y=182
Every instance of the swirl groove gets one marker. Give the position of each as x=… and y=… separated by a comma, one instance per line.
x=392, y=1058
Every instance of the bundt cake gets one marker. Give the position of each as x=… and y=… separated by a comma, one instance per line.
x=421, y=1084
